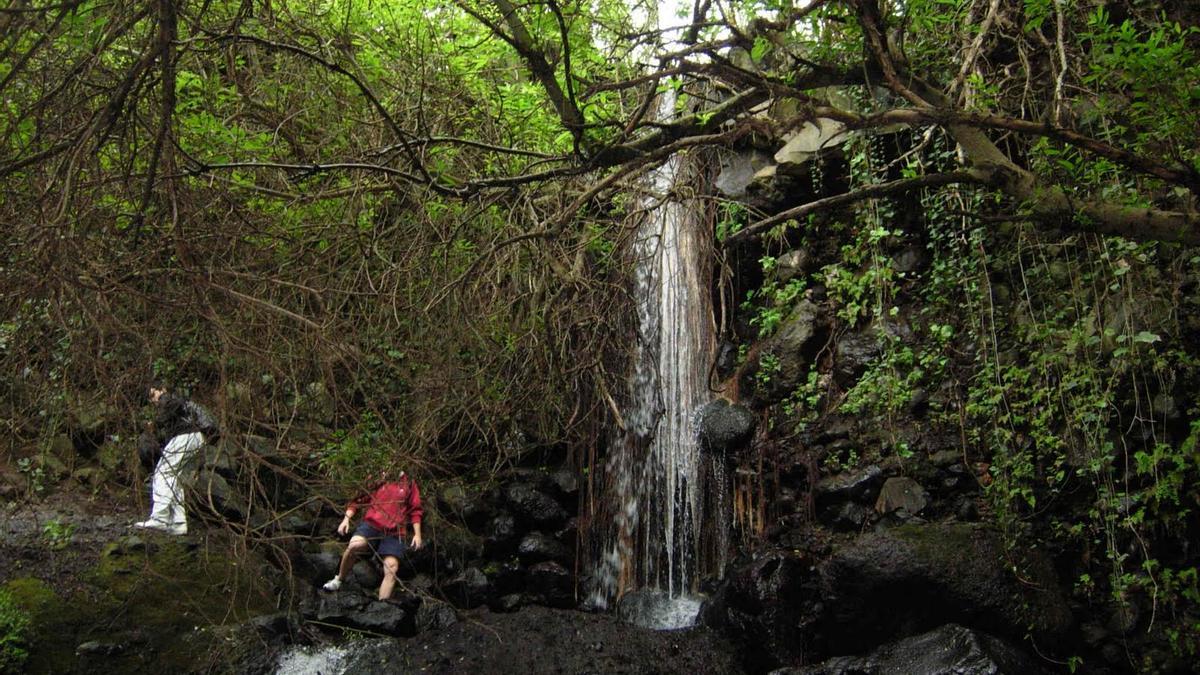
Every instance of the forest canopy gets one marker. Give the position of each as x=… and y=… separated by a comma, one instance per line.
x=310, y=196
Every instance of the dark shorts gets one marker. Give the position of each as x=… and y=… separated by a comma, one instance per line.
x=382, y=542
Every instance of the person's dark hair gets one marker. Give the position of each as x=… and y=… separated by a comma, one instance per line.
x=157, y=384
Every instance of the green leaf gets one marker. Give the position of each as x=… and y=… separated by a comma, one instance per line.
x=761, y=48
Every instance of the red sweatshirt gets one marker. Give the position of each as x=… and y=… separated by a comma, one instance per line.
x=391, y=506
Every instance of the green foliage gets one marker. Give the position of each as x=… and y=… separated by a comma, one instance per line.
x=803, y=406
x=351, y=455
x=842, y=460
x=1148, y=76
x=768, y=369
x=57, y=534
x=34, y=474
x=14, y=627
x=732, y=219
x=1050, y=412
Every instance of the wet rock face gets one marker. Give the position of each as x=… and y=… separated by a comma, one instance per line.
x=552, y=585
x=784, y=361
x=769, y=606
x=947, y=649
x=538, y=640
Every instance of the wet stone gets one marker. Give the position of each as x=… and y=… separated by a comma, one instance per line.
x=853, y=485
x=536, y=547
x=435, y=616
x=901, y=493
x=847, y=517
x=531, y=504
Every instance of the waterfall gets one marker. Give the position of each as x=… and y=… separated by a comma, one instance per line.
x=656, y=476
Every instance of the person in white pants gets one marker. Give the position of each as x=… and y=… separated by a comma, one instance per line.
x=184, y=423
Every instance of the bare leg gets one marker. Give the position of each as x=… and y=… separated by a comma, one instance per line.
x=356, y=546
x=391, y=565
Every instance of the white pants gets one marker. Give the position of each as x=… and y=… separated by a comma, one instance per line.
x=167, y=499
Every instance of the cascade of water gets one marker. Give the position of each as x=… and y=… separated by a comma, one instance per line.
x=655, y=471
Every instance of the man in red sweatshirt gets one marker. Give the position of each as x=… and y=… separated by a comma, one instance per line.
x=392, y=504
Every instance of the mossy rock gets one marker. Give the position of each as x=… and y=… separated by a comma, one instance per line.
x=48, y=616
x=148, y=604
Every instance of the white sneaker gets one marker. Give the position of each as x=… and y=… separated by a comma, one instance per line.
x=332, y=585
x=169, y=528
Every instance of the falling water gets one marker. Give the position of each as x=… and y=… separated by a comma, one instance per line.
x=655, y=473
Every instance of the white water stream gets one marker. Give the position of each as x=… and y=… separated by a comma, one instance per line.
x=655, y=472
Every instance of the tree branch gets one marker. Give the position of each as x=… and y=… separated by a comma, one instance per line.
x=869, y=192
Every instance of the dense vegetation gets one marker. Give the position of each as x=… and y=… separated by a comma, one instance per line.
x=405, y=221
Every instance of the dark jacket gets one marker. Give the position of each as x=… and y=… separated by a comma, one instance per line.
x=178, y=415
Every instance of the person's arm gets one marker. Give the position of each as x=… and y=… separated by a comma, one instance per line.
x=351, y=508
x=415, y=514
x=344, y=528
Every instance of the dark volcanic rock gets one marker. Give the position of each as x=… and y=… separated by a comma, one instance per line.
x=948, y=649
x=768, y=605
x=536, y=547
x=469, y=589
x=725, y=427
x=533, y=505
x=552, y=584
x=435, y=616
x=902, y=494
x=538, y=640
x=854, y=485
x=855, y=351
x=386, y=618
x=501, y=537
x=847, y=517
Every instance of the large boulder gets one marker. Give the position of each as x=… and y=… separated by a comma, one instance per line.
x=360, y=612
x=810, y=140
x=737, y=172
x=849, y=486
x=901, y=494
x=912, y=578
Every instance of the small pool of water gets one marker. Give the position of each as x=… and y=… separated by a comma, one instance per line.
x=659, y=611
